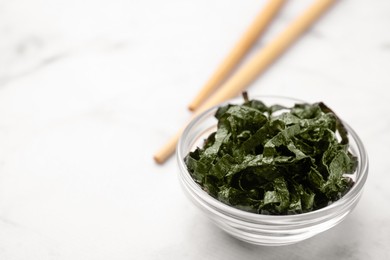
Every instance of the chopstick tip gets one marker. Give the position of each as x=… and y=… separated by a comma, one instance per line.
x=191, y=107
x=157, y=159
x=194, y=105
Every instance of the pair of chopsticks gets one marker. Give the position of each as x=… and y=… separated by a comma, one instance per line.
x=255, y=66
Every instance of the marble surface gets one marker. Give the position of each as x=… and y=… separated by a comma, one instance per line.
x=90, y=89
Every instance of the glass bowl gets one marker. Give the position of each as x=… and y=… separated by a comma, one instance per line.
x=268, y=230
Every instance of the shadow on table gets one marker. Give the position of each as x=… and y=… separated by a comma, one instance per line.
x=340, y=242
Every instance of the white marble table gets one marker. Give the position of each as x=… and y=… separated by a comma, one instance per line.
x=90, y=89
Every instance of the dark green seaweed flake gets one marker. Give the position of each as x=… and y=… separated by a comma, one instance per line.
x=275, y=160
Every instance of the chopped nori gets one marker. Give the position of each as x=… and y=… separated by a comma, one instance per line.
x=273, y=159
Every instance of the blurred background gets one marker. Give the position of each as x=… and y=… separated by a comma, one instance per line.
x=89, y=90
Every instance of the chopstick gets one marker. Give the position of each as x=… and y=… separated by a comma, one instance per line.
x=250, y=36
x=253, y=67
x=261, y=60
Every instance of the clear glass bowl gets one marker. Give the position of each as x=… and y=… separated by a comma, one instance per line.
x=269, y=230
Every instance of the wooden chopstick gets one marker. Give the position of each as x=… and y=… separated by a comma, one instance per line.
x=260, y=62
x=250, y=36
x=253, y=67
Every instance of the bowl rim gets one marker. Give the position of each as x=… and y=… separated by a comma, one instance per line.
x=356, y=189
